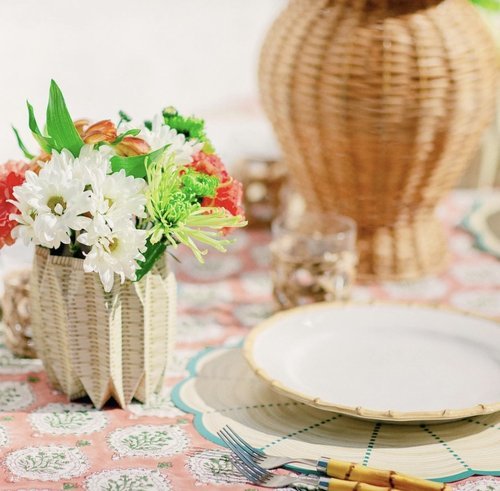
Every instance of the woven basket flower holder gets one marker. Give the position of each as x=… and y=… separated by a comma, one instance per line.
x=379, y=105
x=104, y=345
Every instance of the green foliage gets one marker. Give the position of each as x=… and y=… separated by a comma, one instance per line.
x=60, y=126
x=46, y=144
x=136, y=165
x=23, y=148
x=152, y=254
x=121, y=136
x=191, y=127
x=488, y=4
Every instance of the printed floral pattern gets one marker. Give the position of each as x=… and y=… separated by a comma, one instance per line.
x=49, y=463
x=127, y=480
x=425, y=289
x=3, y=437
x=15, y=396
x=179, y=361
x=148, y=441
x=257, y=284
x=68, y=419
x=219, y=267
x=199, y=296
x=161, y=406
x=9, y=364
x=250, y=314
x=480, y=484
x=196, y=329
x=477, y=274
x=483, y=302
x=212, y=467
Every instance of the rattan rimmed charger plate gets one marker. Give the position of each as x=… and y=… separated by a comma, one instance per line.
x=381, y=361
x=222, y=389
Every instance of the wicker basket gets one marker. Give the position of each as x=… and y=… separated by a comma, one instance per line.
x=16, y=314
x=379, y=105
x=102, y=344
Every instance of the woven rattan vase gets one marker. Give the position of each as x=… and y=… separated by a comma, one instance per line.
x=104, y=345
x=379, y=105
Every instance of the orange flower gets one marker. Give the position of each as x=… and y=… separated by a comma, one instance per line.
x=131, y=146
x=81, y=125
x=209, y=164
x=102, y=131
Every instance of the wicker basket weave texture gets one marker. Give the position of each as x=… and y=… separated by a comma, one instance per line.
x=102, y=344
x=379, y=105
x=16, y=314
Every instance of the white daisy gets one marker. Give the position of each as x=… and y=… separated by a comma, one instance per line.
x=92, y=165
x=114, y=252
x=119, y=197
x=52, y=203
x=161, y=135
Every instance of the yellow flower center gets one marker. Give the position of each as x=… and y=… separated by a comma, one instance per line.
x=113, y=244
x=57, y=205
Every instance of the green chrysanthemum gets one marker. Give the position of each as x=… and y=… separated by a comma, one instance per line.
x=177, y=215
x=197, y=186
x=191, y=127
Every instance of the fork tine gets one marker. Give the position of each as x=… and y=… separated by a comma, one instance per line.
x=253, y=473
x=244, y=471
x=227, y=439
x=254, y=451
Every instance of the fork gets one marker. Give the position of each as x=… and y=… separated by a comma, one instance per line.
x=334, y=468
x=259, y=476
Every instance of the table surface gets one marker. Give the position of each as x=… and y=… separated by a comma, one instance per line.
x=48, y=443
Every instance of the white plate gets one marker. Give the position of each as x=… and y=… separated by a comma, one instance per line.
x=380, y=361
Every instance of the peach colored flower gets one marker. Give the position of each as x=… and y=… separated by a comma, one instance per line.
x=81, y=125
x=131, y=146
x=102, y=131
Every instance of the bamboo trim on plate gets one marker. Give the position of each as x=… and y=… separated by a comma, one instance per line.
x=360, y=412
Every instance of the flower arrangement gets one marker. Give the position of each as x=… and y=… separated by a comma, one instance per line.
x=117, y=195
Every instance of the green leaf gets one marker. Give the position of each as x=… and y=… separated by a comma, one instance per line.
x=127, y=133
x=60, y=126
x=23, y=148
x=135, y=166
x=488, y=4
x=152, y=254
x=46, y=144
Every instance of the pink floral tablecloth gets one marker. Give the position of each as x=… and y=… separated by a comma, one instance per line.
x=48, y=443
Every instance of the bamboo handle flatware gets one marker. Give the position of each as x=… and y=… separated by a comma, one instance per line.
x=346, y=475
x=356, y=472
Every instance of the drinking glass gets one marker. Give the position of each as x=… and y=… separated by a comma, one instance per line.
x=314, y=258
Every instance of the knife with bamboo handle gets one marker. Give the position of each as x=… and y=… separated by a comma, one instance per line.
x=348, y=471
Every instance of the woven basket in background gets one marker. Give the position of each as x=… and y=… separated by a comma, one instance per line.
x=16, y=315
x=104, y=345
x=379, y=105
